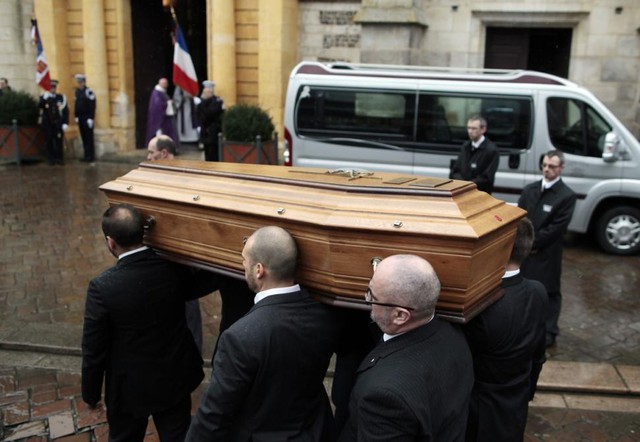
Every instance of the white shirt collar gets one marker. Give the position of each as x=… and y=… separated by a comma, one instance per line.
x=476, y=144
x=160, y=88
x=131, y=252
x=546, y=184
x=387, y=336
x=276, y=291
x=510, y=273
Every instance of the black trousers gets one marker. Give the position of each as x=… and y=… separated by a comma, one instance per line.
x=54, y=137
x=86, y=133
x=172, y=424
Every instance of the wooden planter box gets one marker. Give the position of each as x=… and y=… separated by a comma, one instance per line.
x=22, y=143
x=203, y=211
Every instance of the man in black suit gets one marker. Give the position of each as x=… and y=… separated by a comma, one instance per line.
x=269, y=366
x=135, y=335
x=507, y=342
x=550, y=203
x=416, y=384
x=478, y=158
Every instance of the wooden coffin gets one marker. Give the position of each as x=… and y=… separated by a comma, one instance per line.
x=342, y=223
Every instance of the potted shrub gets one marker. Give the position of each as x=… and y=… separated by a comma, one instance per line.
x=26, y=140
x=242, y=124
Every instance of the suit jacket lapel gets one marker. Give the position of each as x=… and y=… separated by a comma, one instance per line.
x=385, y=349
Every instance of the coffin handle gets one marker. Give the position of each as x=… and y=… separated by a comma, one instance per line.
x=150, y=222
x=374, y=262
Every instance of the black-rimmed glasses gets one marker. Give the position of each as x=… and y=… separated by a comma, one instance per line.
x=369, y=299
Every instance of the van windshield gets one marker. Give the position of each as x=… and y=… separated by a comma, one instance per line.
x=411, y=120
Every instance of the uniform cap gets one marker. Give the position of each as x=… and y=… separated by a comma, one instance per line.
x=80, y=77
x=54, y=82
x=208, y=84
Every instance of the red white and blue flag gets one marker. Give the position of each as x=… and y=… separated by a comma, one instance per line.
x=184, y=74
x=43, y=78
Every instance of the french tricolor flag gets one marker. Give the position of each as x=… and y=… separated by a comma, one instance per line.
x=43, y=78
x=184, y=74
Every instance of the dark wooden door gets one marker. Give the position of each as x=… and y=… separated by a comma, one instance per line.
x=539, y=49
x=152, y=56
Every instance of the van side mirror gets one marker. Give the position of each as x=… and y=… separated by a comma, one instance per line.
x=611, y=148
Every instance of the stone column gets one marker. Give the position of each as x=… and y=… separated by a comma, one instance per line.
x=221, y=40
x=95, y=58
x=277, y=54
x=52, y=24
x=122, y=110
x=392, y=31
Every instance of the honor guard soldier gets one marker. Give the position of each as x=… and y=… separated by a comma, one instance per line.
x=54, y=117
x=85, y=112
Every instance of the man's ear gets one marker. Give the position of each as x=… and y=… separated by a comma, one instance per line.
x=400, y=316
x=111, y=244
x=259, y=270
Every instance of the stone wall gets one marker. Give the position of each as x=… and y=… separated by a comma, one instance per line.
x=18, y=62
x=328, y=32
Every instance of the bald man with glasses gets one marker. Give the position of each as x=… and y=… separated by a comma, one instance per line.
x=416, y=384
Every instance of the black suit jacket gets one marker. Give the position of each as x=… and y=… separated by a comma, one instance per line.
x=550, y=212
x=414, y=387
x=479, y=165
x=135, y=335
x=268, y=372
x=507, y=342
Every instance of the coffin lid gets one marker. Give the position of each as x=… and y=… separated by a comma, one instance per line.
x=342, y=220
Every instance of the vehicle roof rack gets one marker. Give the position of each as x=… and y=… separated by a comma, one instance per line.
x=431, y=72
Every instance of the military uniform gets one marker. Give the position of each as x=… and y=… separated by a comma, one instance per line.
x=54, y=113
x=85, y=111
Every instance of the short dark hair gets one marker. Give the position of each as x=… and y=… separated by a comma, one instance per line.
x=124, y=224
x=479, y=118
x=523, y=242
x=555, y=153
x=165, y=142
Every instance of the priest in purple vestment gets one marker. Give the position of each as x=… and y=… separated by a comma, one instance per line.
x=161, y=115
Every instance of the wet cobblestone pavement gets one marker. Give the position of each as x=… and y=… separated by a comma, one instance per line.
x=51, y=245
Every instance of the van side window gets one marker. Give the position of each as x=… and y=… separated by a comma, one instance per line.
x=442, y=120
x=389, y=116
x=575, y=127
x=378, y=115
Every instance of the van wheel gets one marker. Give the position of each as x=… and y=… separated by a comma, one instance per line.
x=618, y=231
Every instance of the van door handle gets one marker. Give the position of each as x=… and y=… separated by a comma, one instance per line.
x=514, y=161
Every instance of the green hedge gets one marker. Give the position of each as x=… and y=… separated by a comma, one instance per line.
x=20, y=106
x=243, y=122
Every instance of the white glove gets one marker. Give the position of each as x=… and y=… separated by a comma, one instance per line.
x=77, y=119
x=90, y=123
x=197, y=100
x=65, y=127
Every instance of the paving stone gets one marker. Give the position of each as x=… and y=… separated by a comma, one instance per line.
x=631, y=377
x=41, y=394
x=13, y=397
x=16, y=413
x=61, y=424
x=51, y=408
x=80, y=437
x=29, y=377
x=87, y=417
x=29, y=429
x=101, y=433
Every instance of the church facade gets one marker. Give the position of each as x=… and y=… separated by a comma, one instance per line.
x=248, y=47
